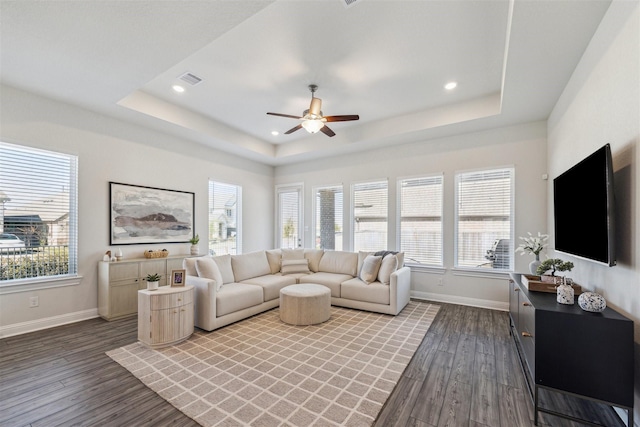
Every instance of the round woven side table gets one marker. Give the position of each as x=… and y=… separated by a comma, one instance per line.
x=305, y=304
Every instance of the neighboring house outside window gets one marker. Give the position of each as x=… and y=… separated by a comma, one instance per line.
x=420, y=220
x=225, y=202
x=38, y=217
x=484, y=219
x=370, y=211
x=328, y=218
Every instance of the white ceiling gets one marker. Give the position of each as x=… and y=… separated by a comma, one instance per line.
x=384, y=60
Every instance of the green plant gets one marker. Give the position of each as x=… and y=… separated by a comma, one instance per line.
x=153, y=277
x=194, y=240
x=554, y=264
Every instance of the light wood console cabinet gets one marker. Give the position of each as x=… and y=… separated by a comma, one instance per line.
x=165, y=316
x=120, y=281
x=567, y=350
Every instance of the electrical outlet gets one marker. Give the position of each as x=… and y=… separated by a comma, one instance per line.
x=441, y=282
x=33, y=302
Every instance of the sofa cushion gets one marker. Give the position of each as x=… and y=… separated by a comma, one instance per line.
x=271, y=284
x=252, y=264
x=330, y=280
x=297, y=253
x=356, y=289
x=274, y=256
x=339, y=262
x=207, y=268
x=361, y=257
x=189, y=265
x=314, y=256
x=224, y=264
x=370, y=267
x=237, y=296
x=388, y=266
x=295, y=266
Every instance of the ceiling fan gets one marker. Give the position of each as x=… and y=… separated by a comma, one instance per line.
x=312, y=119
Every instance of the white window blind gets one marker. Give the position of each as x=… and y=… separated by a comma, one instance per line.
x=225, y=203
x=370, y=216
x=328, y=218
x=484, y=215
x=420, y=222
x=38, y=195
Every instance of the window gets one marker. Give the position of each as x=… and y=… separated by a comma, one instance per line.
x=370, y=216
x=328, y=218
x=225, y=202
x=289, y=202
x=38, y=220
x=420, y=222
x=484, y=219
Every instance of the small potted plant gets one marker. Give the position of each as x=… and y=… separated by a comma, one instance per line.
x=152, y=281
x=194, y=245
x=553, y=264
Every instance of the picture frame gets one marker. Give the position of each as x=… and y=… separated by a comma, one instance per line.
x=178, y=278
x=147, y=215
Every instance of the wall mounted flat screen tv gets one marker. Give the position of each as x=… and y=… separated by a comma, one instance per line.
x=584, y=209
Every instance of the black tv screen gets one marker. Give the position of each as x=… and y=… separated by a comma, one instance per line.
x=584, y=209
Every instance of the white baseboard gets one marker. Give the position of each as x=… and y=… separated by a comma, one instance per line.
x=453, y=299
x=49, y=322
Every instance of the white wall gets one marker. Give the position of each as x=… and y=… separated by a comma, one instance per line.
x=601, y=104
x=112, y=150
x=522, y=146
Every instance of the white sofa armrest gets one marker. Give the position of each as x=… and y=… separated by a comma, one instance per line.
x=205, y=301
x=400, y=289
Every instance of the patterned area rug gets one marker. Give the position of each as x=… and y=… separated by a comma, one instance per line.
x=262, y=372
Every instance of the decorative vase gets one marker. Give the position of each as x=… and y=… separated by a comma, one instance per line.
x=152, y=286
x=565, y=294
x=591, y=301
x=533, y=265
x=194, y=250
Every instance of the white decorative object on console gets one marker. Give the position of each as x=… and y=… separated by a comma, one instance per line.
x=591, y=301
x=565, y=293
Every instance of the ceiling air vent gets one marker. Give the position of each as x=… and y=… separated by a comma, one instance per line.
x=192, y=79
x=349, y=3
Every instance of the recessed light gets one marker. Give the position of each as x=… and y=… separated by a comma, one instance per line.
x=450, y=85
x=275, y=133
x=178, y=88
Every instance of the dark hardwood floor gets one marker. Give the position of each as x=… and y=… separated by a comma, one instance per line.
x=465, y=373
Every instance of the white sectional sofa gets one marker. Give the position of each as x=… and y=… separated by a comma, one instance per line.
x=229, y=288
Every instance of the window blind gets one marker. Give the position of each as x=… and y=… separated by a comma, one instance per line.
x=328, y=218
x=225, y=202
x=484, y=215
x=370, y=216
x=420, y=221
x=289, y=207
x=38, y=195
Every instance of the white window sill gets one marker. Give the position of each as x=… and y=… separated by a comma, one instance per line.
x=481, y=272
x=38, y=283
x=420, y=268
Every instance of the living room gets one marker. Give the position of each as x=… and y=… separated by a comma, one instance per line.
x=597, y=105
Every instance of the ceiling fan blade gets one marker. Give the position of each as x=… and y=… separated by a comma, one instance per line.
x=345, y=118
x=325, y=129
x=285, y=115
x=293, y=129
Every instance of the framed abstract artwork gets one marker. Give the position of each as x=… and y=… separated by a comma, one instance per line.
x=144, y=215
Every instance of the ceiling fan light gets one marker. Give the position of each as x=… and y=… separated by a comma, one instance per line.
x=312, y=126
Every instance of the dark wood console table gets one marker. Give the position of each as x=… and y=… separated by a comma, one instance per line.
x=568, y=350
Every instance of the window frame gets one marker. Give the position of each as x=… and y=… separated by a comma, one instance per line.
x=287, y=188
x=475, y=271
x=72, y=278
x=399, y=183
x=238, y=213
x=314, y=208
x=352, y=219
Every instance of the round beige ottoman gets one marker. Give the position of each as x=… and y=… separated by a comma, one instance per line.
x=305, y=304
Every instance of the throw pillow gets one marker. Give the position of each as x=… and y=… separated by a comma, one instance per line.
x=293, y=253
x=389, y=265
x=224, y=264
x=370, y=268
x=361, y=257
x=294, y=266
x=208, y=269
x=314, y=256
x=274, y=256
